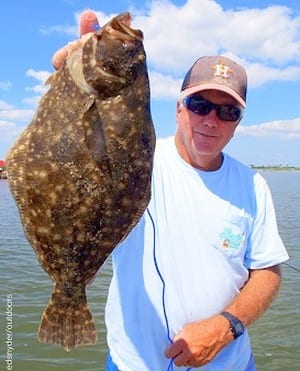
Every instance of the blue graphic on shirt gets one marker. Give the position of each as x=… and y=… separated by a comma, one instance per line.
x=230, y=240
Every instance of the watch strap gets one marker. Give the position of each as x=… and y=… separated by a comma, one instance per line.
x=236, y=325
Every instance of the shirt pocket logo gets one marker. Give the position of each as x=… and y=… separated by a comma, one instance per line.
x=231, y=240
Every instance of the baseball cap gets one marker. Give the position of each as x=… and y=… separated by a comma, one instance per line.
x=217, y=73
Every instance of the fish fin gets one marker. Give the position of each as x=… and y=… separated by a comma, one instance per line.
x=67, y=321
x=51, y=79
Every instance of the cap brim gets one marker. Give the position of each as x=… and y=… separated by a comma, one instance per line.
x=210, y=86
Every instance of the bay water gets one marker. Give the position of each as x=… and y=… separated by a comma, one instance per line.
x=25, y=290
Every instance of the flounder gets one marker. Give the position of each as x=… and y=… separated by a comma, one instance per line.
x=81, y=171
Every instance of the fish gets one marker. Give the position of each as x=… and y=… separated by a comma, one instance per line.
x=80, y=173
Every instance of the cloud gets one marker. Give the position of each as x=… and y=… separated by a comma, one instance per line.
x=4, y=105
x=12, y=113
x=38, y=89
x=63, y=29
x=265, y=40
x=12, y=123
x=5, y=85
x=41, y=76
x=9, y=130
x=269, y=34
x=260, y=74
x=73, y=30
x=164, y=86
x=282, y=129
x=13, y=120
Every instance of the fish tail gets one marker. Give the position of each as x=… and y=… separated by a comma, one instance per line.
x=67, y=320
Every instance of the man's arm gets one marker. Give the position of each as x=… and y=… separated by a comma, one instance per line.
x=199, y=342
x=257, y=295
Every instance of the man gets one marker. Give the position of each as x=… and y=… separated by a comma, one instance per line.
x=203, y=262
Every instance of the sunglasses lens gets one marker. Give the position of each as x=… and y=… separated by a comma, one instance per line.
x=198, y=105
x=202, y=107
x=229, y=113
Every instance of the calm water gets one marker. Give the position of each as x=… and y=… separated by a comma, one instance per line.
x=275, y=337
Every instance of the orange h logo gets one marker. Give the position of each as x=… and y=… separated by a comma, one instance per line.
x=222, y=70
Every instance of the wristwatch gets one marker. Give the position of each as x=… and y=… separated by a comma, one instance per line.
x=236, y=326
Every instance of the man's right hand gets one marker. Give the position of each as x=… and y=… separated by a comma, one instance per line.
x=88, y=23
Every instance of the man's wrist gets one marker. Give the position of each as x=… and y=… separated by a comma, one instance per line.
x=236, y=326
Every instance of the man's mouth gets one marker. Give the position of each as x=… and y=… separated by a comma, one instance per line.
x=205, y=134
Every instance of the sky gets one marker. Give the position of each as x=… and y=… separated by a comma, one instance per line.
x=262, y=35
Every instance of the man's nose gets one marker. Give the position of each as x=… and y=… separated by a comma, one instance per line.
x=211, y=119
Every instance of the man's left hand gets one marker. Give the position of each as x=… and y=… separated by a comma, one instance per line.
x=199, y=342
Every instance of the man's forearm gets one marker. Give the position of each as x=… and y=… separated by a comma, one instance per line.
x=256, y=295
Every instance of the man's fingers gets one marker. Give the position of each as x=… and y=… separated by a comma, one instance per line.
x=59, y=57
x=88, y=22
x=174, y=349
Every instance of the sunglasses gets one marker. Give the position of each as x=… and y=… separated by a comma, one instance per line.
x=202, y=107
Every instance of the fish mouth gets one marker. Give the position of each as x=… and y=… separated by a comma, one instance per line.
x=108, y=59
x=120, y=28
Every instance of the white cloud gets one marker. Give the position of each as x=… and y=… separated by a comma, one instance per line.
x=32, y=101
x=41, y=76
x=13, y=120
x=4, y=105
x=5, y=85
x=65, y=29
x=259, y=74
x=39, y=89
x=16, y=114
x=10, y=116
x=164, y=86
x=9, y=132
x=269, y=34
x=12, y=123
x=283, y=129
x=266, y=40
x=71, y=30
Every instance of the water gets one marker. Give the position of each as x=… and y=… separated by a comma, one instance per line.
x=275, y=336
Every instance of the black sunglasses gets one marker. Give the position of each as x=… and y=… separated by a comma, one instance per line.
x=202, y=107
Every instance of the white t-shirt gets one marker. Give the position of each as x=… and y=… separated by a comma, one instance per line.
x=187, y=258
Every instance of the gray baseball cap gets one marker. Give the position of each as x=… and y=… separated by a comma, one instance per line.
x=217, y=73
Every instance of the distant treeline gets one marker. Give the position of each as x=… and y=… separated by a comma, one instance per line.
x=274, y=167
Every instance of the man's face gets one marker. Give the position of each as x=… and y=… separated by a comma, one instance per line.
x=200, y=139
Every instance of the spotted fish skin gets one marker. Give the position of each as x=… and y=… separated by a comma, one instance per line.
x=81, y=171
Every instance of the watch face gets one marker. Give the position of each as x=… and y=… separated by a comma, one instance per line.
x=236, y=325
x=239, y=328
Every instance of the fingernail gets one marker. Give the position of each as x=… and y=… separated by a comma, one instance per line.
x=96, y=27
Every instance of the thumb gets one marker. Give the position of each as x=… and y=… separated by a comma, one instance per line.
x=88, y=22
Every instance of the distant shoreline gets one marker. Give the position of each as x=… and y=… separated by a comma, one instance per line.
x=3, y=171
x=276, y=168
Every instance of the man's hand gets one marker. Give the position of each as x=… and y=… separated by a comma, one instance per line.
x=88, y=23
x=198, y=343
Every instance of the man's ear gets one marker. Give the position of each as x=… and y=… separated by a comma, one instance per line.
x=179, y=107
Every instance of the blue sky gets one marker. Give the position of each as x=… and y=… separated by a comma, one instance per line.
x=263, y=35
